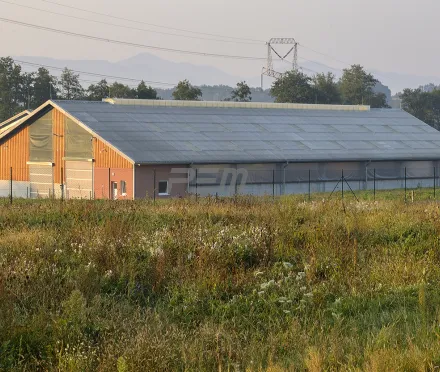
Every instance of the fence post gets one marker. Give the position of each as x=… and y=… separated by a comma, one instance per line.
x=10, y=196
x=405, y=184
x=342, y=184
x=284, y=180
x=154, y=186
x=374, y=183
x=310, y=196
x=109, y=184
x=434, y=180
x=197, y=185
x=273, y=184
x=62, y=184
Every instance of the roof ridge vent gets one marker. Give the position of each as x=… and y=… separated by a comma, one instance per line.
x=228, y=104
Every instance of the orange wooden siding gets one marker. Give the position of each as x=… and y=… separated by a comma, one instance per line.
x=106, y=157
x=58, y=120
x=14, y=152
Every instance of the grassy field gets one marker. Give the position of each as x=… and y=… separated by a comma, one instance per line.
x=246, y=285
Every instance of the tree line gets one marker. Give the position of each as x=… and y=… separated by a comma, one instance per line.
x=424, y=105
x=20, y=90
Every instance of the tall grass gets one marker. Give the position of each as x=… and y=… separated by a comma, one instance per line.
x=248, y=284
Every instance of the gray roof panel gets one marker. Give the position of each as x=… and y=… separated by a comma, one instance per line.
x=182, y=135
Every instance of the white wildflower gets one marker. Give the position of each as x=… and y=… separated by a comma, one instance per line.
x=268, y=284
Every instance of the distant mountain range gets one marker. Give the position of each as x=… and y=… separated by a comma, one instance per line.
x=155, y=69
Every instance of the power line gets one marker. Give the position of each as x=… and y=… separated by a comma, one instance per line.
x=94, y=82
x=148, y=24
x=324, y=54
x=120, y=42
x=128, y=27
x=93, y=73
x=341, y=61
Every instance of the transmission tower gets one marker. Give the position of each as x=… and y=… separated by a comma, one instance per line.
x=268, y=70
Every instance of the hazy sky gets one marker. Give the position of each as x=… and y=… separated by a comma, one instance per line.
x=389, y=35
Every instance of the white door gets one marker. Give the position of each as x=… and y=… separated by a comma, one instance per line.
x=115, y=190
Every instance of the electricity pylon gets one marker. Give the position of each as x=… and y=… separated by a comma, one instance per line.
x=268, y=70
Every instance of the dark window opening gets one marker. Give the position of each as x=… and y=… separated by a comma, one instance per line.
x=163, y=188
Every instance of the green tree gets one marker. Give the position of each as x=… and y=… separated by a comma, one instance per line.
x=184, y=91
x=433, y=117
x=98, y=91
x=423, y=105
x=377, y=100
x=45, y=87
x=145, y=92
x=11, y=88
x=242, y=93
x=326, y=89
x=28, y=90
x=293, y=87
x=118, y=90
x=356, y=85
x=415, y=102
x=70, y=86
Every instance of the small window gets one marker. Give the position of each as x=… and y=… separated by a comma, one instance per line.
x=123, y=188
x=163, y=187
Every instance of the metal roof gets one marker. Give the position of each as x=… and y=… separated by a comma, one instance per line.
x=11, y=123
x=185, y=134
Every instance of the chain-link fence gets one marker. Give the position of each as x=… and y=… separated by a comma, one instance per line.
x=325, y=182
x=79, y=181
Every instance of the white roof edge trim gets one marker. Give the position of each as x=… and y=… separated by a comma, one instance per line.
x=227, y=104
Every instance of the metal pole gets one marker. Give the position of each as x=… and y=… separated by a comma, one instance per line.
x=197, y=185
x=273, y=184
x=374, y=184
x=310, y=189
x=62, y=184
x=405, y=184
x=434, y=181
x=109, y=184
x=342, y=184
x=154, y=185
x=10, y=196
x=284, y=180
x=236, y=183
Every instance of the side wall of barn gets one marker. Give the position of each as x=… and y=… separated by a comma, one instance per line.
x=161, y=181
x=113, y=173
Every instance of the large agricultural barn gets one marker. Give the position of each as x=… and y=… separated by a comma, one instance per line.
x=124, y=149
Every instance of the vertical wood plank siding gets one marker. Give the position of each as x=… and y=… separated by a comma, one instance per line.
x=106, y=157
x=14, y=152
x=58, y=120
